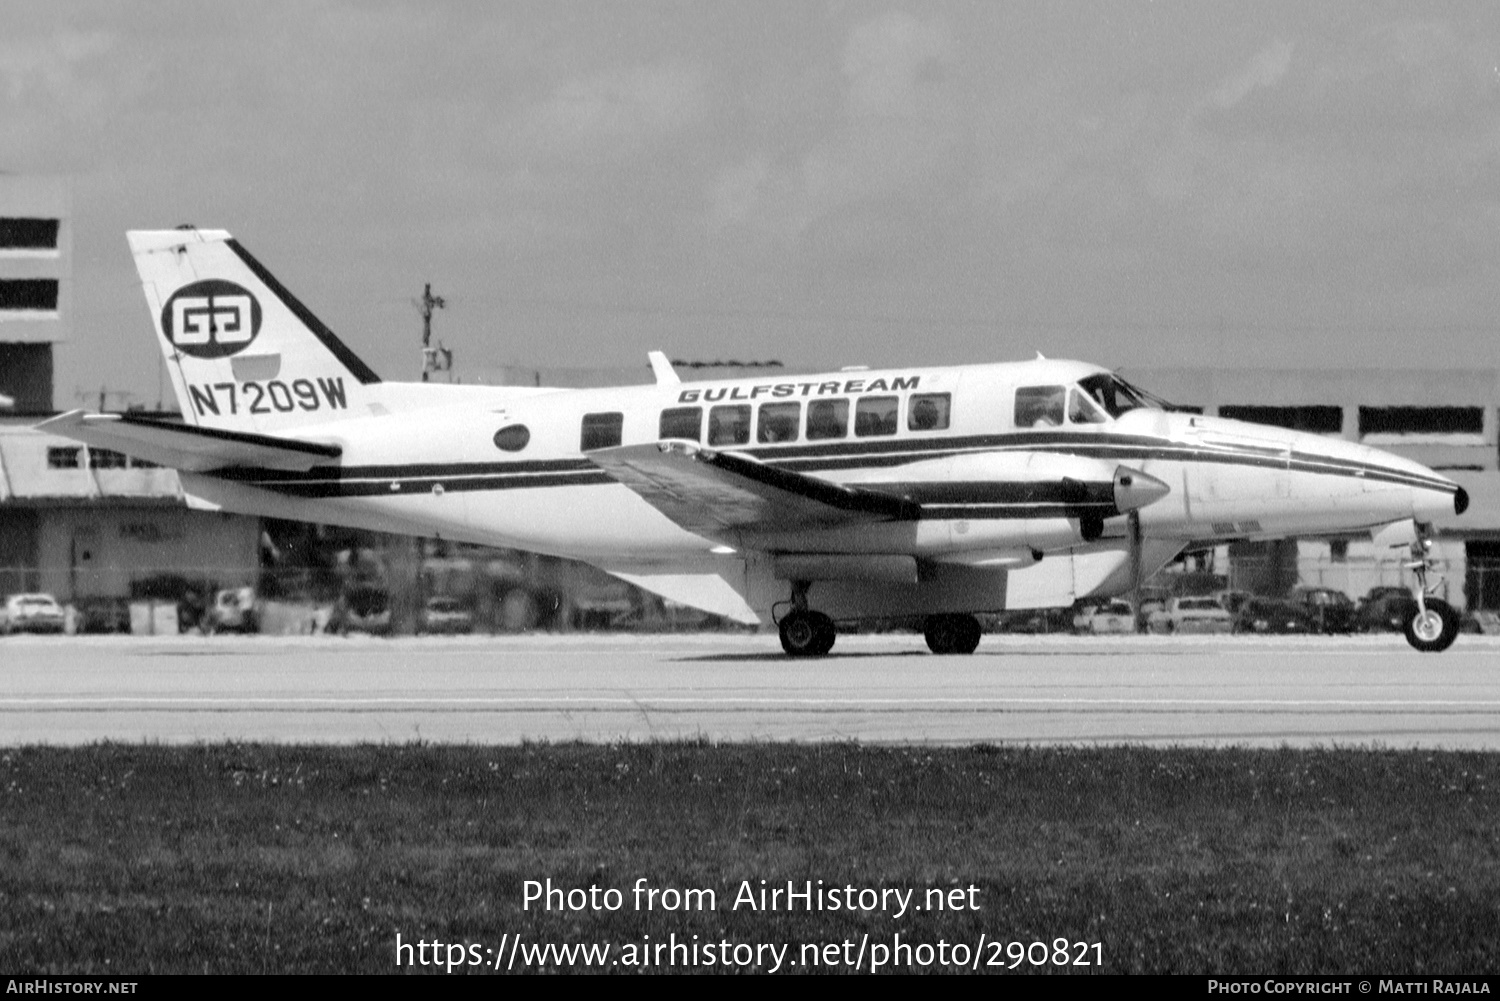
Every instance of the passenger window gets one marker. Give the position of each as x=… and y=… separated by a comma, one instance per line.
x=682, y=422
x=601, y=431
x=1039, y=407
x=827, y=419
x=729, y=425
x=928, y=412
x=778, y=422
x=1082, y=410
x=875, y=415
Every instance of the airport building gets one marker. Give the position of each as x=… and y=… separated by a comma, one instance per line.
x=81, y=524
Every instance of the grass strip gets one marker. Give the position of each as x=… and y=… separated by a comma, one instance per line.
x=260, y=858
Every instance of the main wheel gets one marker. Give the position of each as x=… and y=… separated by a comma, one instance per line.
x=1435, y=630
x=952, y=633
x=807, y=634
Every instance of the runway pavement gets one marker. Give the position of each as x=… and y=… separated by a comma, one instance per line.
x=1073, y=690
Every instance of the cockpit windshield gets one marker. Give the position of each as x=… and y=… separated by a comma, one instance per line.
x=1116, y=395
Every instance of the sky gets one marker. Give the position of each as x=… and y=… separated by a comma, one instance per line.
x=1270, y=183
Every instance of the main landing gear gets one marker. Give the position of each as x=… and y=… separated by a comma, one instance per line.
x=951, y=633
x=1434, y=627
x=805, y=633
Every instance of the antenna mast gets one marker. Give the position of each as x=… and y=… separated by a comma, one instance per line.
x=430, y=354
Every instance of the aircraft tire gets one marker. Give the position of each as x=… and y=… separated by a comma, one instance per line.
x=946, y=634
x=1437, y=631
x=807, y=634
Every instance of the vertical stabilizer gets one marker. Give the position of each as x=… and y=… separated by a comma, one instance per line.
x=243, y=353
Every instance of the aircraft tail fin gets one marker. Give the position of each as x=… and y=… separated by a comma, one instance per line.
x=244, y=354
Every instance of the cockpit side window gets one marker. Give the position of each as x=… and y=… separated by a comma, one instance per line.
x=1082, y=410
x=1039, y=406
x=1113, y=393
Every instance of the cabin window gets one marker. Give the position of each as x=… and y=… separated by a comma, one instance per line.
x=778, y=422
x=928, y=412
x=512, y=438
x=682, y=422
x=1082, y=410
x=1039, y=406
x=875, y=415
x=601, y=431
x=827, y=419
x=729, y=425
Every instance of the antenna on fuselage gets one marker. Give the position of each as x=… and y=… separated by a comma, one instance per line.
x=1039, y=356
x=666, y=375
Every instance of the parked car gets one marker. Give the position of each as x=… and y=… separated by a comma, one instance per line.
x=31, y=613
x=1110, y=617
x=1230, y=600
x=445, y=615
x=1330, y=611
x=1271, y=615
x=1385, y=608
x=233, y=611
x=364, y=608
x=1196, y=615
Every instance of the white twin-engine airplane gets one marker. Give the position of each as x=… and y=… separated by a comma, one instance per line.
x=923, y=493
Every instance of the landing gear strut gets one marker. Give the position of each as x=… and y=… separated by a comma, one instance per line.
x=805, y=633
x=952, y=633
x=1434, y=627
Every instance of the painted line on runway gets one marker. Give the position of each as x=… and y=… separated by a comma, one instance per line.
x=106, y=704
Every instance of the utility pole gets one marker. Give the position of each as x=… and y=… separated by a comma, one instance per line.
x=426, y=306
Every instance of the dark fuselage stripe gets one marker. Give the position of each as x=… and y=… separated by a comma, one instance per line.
x=376, y=480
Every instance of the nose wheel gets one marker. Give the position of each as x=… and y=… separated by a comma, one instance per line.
x=952, y=633
x=1434, y=626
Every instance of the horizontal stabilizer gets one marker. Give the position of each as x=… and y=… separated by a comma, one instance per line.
x=711, y=493
x=195, y=449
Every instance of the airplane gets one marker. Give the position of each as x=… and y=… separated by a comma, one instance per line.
x=924, y=493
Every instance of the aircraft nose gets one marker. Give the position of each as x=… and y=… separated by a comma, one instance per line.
x=1135, y=489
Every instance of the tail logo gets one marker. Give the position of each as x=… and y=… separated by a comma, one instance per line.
x=211, y=319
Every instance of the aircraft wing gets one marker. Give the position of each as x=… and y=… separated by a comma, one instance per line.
x=194, y=449
x=709, y=492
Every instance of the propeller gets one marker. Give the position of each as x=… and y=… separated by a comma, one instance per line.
x=1133, y=522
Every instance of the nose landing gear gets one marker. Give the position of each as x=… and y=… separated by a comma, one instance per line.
x=1435, y=625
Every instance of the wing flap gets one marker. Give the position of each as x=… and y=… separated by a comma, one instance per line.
x=194, y=449
x=710, y=493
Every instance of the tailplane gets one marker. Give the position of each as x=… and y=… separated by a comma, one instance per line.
x=243, y=353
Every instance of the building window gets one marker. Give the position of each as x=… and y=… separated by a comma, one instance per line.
x=1312, y=419
x=106, y=458
x=28, y=234
x=64, y=458
x=1421, y=420
x=601, y=431
x=28, y=294
x=1338, y=550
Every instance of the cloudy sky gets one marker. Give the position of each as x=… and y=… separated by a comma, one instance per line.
x=1134, y=183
